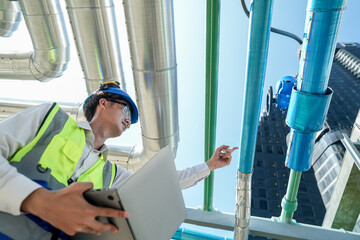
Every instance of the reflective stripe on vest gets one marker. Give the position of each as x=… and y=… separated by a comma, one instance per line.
x=53, y=154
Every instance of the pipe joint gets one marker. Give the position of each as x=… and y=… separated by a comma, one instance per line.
x=307, y=111
x=289, y=206
x=306, y=116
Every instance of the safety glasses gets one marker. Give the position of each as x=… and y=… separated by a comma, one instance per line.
x=124, y=107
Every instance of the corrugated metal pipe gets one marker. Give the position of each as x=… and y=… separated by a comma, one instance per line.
x=10, y=17
x=259, y=33
x=51, y=54
x=211, y=89
x=95, y=33
x=310, y=99
x=243, y=205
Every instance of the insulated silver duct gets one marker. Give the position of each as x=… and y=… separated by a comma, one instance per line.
x=10, y=17
x=150, y=26
x=9, y=107
x=95, y=32
x=51, y=54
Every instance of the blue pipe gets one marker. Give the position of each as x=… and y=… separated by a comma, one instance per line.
x=258, y=41
x=187, y=234
x=310, y=99
x=321, y=29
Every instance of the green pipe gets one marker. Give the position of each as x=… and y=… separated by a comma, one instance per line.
x=289, y=202
x=212, y=63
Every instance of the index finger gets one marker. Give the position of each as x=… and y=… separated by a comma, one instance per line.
x=222, y=147
x=111, y=212
x=229, y=150
x=234, y=148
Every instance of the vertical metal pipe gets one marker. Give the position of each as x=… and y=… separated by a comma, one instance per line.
x=321, y=29
x=212, y=65
x=259, y=34
x=150, y=26
x=95, y=32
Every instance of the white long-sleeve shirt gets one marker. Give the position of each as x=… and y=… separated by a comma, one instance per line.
x=19, y=129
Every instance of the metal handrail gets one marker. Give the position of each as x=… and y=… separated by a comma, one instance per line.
x=352, y=149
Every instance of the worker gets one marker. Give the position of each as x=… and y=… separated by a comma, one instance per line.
x=48, y=160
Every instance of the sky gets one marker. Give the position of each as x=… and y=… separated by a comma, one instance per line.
x=282, y=60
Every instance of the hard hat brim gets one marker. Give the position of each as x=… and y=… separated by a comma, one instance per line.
x=122, y=94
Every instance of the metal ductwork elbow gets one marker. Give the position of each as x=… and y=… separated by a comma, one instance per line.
x=10, y=17
x=45, y=22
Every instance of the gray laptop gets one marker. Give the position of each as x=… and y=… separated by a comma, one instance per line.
x=152, y=197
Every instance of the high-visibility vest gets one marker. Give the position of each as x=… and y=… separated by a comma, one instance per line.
x=50, y=159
